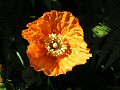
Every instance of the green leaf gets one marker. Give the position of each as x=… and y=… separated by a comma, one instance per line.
x=2, y=86
x=32, y=17
x=100, y=30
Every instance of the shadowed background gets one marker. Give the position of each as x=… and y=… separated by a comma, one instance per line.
x=102, y=72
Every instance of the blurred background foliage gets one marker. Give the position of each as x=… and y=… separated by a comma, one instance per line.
x=101, y=72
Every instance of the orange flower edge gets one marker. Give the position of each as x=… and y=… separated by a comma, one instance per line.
x=56, y=43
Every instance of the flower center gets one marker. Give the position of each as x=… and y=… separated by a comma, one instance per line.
x=55, y=45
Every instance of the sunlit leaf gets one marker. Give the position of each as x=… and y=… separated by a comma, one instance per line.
x=2, y=86
x=101, y=30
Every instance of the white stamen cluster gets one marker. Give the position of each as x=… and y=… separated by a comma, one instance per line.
x=55, y=45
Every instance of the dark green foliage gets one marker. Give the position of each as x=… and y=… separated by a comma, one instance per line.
x=110, y=51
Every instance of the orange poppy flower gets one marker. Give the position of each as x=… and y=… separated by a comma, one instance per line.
x=56, y=43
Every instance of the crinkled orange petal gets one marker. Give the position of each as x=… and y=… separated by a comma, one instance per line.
x=38, y=58
x=43, y=63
